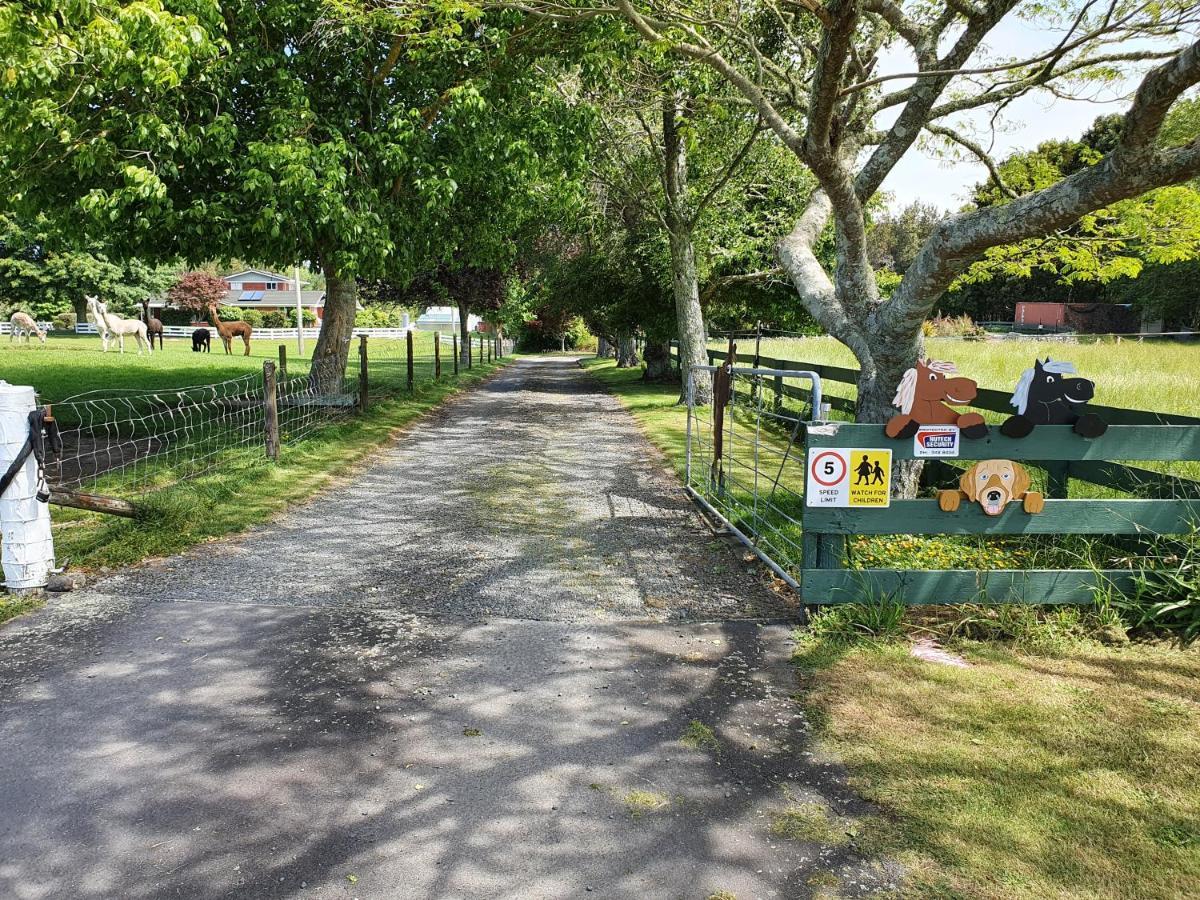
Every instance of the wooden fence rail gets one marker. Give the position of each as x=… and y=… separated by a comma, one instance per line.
x=825, y=579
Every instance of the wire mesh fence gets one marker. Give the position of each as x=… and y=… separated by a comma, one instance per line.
x=745, y=456
x=127, y=443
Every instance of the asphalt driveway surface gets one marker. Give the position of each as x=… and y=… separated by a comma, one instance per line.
x=505, y=660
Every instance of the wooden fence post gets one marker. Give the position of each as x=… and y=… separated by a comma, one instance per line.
x=437, y=354
x=363, y=394
x=270, y=411
x=408, y=343
x=489, y=343
x=481, y=348
x=283, y=364
x=470, y=346
x=454, y=338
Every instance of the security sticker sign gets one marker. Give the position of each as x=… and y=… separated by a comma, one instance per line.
x=859, y=478
x=936, y=441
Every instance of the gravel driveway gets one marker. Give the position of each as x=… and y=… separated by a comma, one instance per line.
x=505, y=660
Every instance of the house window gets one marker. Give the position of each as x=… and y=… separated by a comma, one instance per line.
x=272, y=286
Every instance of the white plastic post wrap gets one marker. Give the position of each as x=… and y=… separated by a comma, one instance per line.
x=28, y=549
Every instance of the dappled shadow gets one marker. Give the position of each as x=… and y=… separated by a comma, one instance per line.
x=362, y=713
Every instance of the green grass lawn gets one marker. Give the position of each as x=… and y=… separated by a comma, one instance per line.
x=73, y=364
x=1027, y=775
x=1053, y=767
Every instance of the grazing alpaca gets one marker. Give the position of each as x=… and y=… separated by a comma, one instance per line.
x=114, y=326
x=22, y=322
x=153, y=325
x=201, y=340
x=229, y=330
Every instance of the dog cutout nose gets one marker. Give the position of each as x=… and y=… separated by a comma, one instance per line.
x=993, y=496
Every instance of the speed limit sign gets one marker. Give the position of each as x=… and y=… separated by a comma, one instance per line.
x=849, y=478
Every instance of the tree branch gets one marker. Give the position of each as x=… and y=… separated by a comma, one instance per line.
x=977, y=151
x=1133, y=167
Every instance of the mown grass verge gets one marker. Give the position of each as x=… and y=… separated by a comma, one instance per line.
x=1050, y=766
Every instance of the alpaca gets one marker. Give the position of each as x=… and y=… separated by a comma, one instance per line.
x=201, y=340
x=118, y=327
x=153, y=325
x=22, y=322
x=229, y=330
x=93, y=303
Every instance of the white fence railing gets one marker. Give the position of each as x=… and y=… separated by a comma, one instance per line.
x=6, y=327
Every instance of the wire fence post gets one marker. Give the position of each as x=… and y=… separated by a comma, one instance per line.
x=490, y=343
x=270, y=410
x=454, y=338
x=283, y=376
x=363, y=382
x=28, y=546
x=408, y=345
x=481, y=348
x=469, y=346
x=437, y=355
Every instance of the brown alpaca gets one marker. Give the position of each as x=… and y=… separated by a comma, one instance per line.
x=154, y=325
x=229, y=330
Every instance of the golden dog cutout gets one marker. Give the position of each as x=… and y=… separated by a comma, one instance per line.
x=992, y=483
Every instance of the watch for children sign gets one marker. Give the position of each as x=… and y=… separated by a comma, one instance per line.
x=860, y=477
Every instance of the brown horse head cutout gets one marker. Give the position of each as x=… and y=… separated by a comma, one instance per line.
x=993, y=483
x=922, y=398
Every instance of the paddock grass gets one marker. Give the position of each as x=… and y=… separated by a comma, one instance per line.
x=1053, y=767
x=73, y=364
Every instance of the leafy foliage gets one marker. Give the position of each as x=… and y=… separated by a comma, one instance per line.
x=198, y=292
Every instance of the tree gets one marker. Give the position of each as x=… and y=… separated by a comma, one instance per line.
x=198, y=292
x=1159, y=227
x=831, y=104
x=45, y=277
x=895, y=238
x=278, y=131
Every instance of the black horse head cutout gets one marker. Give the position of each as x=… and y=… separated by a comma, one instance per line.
x=1051, y=394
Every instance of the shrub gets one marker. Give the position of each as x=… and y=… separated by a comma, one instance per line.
x=276, y=319
x=229, y=314
x=252, y=317
x=1166, y=595
x=310, y=317
x=953, y=326
x=65, y=321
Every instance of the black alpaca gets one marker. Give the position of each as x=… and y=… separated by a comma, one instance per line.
x=1046, y=396
x=201, y=340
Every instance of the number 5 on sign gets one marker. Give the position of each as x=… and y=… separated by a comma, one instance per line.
x=861, y=477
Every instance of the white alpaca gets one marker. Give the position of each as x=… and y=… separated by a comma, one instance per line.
x=112, y=325
x=25, y=324
x=93, y=314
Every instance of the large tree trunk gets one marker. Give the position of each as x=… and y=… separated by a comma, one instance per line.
x=464, y=333
x=337, y=327
x=658, y=361
x=693, y=338
x=602, y=348
x=626, y=354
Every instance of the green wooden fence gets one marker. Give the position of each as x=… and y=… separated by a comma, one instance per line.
x=1106, y=473
x=824, y=578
